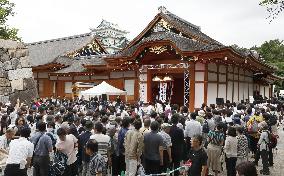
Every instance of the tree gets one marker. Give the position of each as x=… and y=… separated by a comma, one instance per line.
x=274, y=7
x=273, y=53
x=6, y=10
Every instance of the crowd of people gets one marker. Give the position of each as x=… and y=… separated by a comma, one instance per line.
x=98, y=137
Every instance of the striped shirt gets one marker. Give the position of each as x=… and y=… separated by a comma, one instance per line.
x=104, y=144
x=97, y=165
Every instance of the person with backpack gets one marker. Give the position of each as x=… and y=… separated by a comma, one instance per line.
x=252, y=129
x=263, y=145
x=268, y=118
x=42, y=147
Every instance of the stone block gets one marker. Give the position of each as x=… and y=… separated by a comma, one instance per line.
x=3, y=73
x=12, y=52
x=15, y=62
x=7, y=65
x=21, y=53
x=20, y=73
x=29, y=83
x=25, y=96
x=5, y=91
x=4, y=99
x=11, y=44
x=4, y=57
x=17, y=84
x=4, y=82
x=25, y=62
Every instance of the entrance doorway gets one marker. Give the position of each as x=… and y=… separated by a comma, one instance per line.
x=172, y=91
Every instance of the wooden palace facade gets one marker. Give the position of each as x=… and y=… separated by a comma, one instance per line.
x=170, y=60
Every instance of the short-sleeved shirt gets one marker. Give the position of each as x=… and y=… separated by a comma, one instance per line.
x=152, y=142
x=68, y=147
x=44, y=144
x=216, y=137
x=104, y=144
x=20, y=150
x=199, y=159
x=97, y=165
x=167, y=142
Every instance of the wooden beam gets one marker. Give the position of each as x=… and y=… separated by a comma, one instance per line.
x=206, y=84
x=149, y=85
x=192, y=86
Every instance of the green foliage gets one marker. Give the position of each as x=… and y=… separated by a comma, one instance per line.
x=273, y=53
x=6, y=10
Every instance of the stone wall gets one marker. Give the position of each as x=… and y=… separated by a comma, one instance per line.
x=16, y=77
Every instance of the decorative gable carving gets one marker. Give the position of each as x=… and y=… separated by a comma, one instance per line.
x=90, y=49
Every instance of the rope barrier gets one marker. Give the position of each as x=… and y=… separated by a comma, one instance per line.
x=162, y=174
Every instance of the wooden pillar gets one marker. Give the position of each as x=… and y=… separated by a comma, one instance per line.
x=149, y=85
x=238, y=84
x=206, y=84
x=192, y=86
x=227, y=74
x=217, y=80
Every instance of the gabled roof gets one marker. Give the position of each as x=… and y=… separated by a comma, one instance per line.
x=44, y=52
x=77, y=65
x=180, y=25
x=182, y=43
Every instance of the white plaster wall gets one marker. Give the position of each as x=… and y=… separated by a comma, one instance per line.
x=222, y=78
x=222, y=69
x=65, y=78
x=230, y=91
x=267, y=91
x=212, y=67
x=222, y=91
x=81, y=78
x=261, y=90
x=246, y=91
x=53, y=77
x=241, y=95
x=212, y=77
x=212, y=93
x=129, y=74
x=43, y=75
x=99, y=77
x=235, y=92
x=199, y=95
x=250, y=89
x=129, y=86
x=116, y=74
x=68, y=87
x=143, y=77
x=230, y=76
x=199, y=76
x=199, y=66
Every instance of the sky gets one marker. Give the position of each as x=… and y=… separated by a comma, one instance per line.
x=241, y=22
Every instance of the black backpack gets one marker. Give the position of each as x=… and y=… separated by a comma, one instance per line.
x=205, y=127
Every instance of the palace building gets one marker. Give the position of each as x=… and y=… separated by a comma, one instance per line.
x=171, y=60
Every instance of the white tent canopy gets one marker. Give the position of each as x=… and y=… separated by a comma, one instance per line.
x=103, y=88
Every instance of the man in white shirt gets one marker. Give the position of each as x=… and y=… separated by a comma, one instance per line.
x=20, y=155
x=192, y=127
